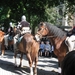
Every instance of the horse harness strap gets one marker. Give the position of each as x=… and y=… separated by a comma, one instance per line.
x=51, y=36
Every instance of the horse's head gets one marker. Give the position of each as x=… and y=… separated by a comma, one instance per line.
x=42, y=31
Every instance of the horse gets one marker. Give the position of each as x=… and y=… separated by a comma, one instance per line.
x=2, y=45
x=57, y=37
x=29, y=46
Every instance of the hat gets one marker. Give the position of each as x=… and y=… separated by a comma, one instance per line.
x=23, y=18
x=10, y=24
x=2, y=28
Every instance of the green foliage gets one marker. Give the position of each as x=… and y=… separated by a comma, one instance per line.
x=52, y=15
x=35, y=11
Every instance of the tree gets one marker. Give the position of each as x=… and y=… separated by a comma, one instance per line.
x=35, y=10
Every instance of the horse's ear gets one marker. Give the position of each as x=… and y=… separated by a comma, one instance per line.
x=44, y=24
x=41, y=23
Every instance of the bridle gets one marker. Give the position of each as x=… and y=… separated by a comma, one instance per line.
x=39, y=33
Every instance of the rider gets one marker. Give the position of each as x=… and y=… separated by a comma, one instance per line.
x=2, y=28
x=24, y=26
x=10, y=33
x=10, y=29
x=70, y=40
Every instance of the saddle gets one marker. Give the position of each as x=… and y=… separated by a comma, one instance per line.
x=10, y=38
x=19, y=39
x=23, y=31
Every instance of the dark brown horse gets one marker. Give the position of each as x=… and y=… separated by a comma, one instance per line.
x=57, y=37
x=30, y=47
x=2, y=46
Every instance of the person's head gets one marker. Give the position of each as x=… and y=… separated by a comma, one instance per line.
x=2, y=28
x=47, y=42
x=68, y=64
x=42, y=42
x=10, y=24
x=23, y=18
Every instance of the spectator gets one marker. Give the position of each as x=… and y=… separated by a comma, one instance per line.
x=68, y=64
x=47, y=48
x=52, y=50
x=42, y=48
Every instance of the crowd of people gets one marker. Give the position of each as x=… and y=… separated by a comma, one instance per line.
x=46, y=49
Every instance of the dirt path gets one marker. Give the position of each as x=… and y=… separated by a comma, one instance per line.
x=46, y=65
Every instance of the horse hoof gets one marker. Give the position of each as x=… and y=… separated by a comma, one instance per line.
x=1, y=56
x=19, y=66
x=31, y=74
x=16, y=66
x=35, y=74
x=59, y=73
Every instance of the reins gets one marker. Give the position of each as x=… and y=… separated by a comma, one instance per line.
x=51, y=36
x=48, y=37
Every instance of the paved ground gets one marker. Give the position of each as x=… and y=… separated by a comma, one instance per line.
x=46, y=65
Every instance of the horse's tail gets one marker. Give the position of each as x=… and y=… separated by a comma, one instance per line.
x=34, y=52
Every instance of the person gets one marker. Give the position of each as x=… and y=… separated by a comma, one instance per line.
x=10, y=31
x=52, y=50
x=47, y=48
x=71, y=39
x=68, y=64
x=25, y=25
x=42, y=48
x=9, y=35
x=2, y=28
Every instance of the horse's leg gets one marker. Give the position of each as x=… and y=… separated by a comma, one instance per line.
x=60, y=59
x=2, y=48
x=35, y=68
x=15, y=54
x=6, y=40
x=21, y=59
x=59, y=68
x=30, y=63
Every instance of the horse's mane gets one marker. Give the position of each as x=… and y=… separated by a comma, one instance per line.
x=57, y=32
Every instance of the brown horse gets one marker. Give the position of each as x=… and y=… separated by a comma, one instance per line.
x=2, y=46
x=30, y=47
x=57, y=37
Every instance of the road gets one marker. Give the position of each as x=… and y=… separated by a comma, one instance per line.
x=46, y=65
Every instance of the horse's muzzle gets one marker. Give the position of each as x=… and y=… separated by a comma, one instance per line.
x=37, y=37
